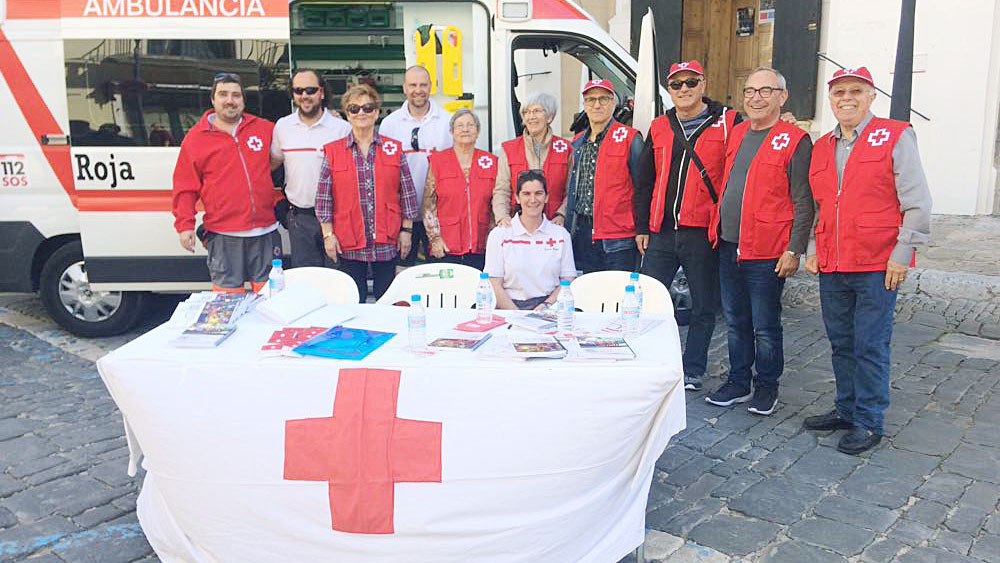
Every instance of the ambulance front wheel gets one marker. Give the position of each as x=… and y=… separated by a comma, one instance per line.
x=66, y=294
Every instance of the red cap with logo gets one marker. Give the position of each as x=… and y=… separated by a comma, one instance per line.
x=598, y=83
x=860, y=72
x=690, y=66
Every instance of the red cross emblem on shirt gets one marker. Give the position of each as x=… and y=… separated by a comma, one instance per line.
x=363, y=450
x=552, y=241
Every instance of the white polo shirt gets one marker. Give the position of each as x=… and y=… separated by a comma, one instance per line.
x=531, y=264
x=434, y=135
x=300, y=147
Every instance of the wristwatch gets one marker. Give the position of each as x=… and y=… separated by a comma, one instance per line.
x=794, y=254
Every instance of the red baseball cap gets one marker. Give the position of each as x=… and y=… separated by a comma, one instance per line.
x=598, y=83
x=860, y=72
x=690, y=66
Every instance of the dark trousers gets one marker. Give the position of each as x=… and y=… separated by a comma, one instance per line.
x=590, y=255
x=477, y=261
x=419, y=239
x=751, y=303
x=858, y=312
x=381, y=273
x=306, y=239
x=688, y=247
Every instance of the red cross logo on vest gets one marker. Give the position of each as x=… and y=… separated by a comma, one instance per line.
x=485, y=162
x=254, y=143
x=389, y=148
x=780, y=141
x=619, y=134
x=721, y=121
x=363, y=450
x=878, y=137
x=560, y=146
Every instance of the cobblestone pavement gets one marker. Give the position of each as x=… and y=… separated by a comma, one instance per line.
x=733, y=487
x=963, y=243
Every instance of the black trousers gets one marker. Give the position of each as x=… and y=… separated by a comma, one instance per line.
x=306, y=239
x=382, y=274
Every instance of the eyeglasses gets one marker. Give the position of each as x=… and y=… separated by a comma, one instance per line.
x=532, y=111
x=465, y=125
x=353, y=109
x=690, y=83
x=764, y=91
x=593, y=101
x=308, y=90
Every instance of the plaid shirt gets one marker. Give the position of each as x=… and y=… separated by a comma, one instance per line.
x=365, y=165
x=587, y=153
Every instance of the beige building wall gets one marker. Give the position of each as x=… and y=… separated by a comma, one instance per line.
x=570, y=104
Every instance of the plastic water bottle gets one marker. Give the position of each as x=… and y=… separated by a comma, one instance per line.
x=484, y=299
x=276, y=278
x=416, y=324
x=630, y=313
x=634, y=280
x=565, y=308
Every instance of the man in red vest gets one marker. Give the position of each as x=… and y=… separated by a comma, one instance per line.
x=761, y=226
x=874, y=209
x=599, y=194
x=679, y=177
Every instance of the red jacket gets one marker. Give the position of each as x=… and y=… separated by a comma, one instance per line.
x=555, y=169
x=768, y=211
x=464, y=209
x=858, y=224
x=348, y=222
x=231, y=175
x=613, y=189
x=696, y=203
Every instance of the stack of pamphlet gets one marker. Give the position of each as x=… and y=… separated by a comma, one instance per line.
x=603, y=348
x=282, y=342
x=215, y=315
x=460, y=341
x=533, y=346
x=543, y=320
x=344, y=343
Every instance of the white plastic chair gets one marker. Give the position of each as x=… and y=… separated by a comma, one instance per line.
x=437, y=289
x=336, y=286
x=602, y=292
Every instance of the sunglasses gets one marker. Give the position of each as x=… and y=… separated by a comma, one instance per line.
x=415, y=139
x=690, y=83
x=353, y=109
x=227, y=76
x=308, y=90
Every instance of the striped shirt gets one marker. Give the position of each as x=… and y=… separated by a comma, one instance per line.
x=365, y=165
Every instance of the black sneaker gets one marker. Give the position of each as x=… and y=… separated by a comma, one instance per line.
x=692, y=383
x=858, y=440
x=729, y=394
x=764, y=400
x=828, y=421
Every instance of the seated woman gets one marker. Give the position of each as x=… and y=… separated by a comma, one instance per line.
x=537, y=149
x=457, y=195
x=526, y=259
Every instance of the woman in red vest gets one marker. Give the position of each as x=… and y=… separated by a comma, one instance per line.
x=537, y=149
x=365, y=201
x=457, y=195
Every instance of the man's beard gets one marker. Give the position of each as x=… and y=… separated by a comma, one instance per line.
x=316, y=110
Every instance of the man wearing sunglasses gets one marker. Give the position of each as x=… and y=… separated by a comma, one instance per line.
x=298, y=144
x=874, y=210
x=233, y=182
x=761, y=227
x=680, y=175
x=423, y=127
x=599, y=194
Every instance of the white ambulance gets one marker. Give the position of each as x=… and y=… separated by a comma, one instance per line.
x=96, y=96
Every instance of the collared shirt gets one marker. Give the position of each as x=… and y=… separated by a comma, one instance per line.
x=911, y=187
x=587, y=153
x=434, y=134
x=300, y=148
x=365, y=164
x=530, y=263
x=536, y=153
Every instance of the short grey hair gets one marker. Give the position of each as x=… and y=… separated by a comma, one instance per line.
x=547, y=101
x=781, y=77
x=459, y=113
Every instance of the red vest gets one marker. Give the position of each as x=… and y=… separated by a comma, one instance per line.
x=555, y=169
x=696, y=203
x=348, y=222
x=857, y=228
x=767, y=212
x=613, y=189
x=464, y=210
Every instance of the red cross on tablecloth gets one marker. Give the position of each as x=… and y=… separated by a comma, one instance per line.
x=363, y=450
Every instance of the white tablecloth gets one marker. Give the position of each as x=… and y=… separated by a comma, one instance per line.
x=544, y=460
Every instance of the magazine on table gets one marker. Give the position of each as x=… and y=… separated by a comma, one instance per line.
x=460, y=341
x=645, y=325
x=204, y=335
x=292, y=304
x=604, y=348
x=534, y=346
x=344, y=343
x=283, y=341
x=538, y=321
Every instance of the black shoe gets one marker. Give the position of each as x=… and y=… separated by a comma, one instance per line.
x=764, y=400
x=858, y=440
x=692, y=383
x=828, y=421
x=729, y=394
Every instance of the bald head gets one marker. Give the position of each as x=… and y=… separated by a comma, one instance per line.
x=417, y=89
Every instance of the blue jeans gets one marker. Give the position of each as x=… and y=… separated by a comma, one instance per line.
x=857, y=312
x=751, y=303
x=689, y=247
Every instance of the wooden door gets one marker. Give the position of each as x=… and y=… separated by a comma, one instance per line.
x=707, y=38
x=744, y=52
